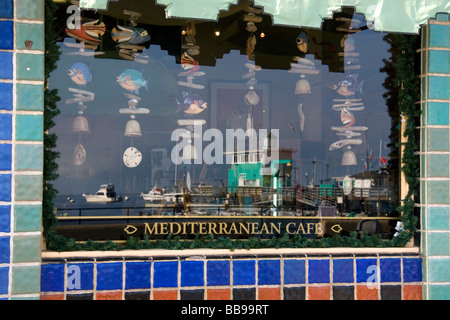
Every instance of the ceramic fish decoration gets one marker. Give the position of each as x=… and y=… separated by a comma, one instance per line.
x=80, y=74
x=88, y=31
x=132, y=80
x=302, y=42
x=349, y=86
x=129, y=35
x=342, y=143
x=347, y=118
x=192, y=103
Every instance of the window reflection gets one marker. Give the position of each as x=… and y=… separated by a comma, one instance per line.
x=129, y=78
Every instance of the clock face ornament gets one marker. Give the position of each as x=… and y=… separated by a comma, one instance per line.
x=132, y=157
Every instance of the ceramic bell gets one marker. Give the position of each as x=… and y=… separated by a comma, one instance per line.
x=302, y=86
x=349, y=159
x=133, y=129
x=80, y=125
x=251, y=98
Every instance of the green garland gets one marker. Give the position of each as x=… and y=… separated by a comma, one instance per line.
x=403, y=90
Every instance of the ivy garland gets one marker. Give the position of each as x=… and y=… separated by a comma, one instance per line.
x=402, y=85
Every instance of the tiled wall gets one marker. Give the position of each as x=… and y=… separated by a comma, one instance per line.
x=21, y=148
x=238, y=277
x=435, y=153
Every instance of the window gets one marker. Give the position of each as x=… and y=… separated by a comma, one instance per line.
x=235, y=127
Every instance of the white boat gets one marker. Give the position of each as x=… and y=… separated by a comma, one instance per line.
x=106, y=193
x=173, y=197
x=155, y=194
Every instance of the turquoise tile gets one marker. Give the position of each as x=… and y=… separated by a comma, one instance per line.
x=439, y=87
x=438, y=139
x=438, y=165
x=27, y=218
x=438, y=218
x=29, y=97
x=30, y=9
x=438, y=270
x=438, y=244
x=438, y=61
x=28, y=187
x=438, y=113
x=26, y=249
x=29, y=157
x=438, y=292
x=438, y=192
x=30, y=32
x=25, y=279
x=29, y=127
x=29, y=66
x=439, y=36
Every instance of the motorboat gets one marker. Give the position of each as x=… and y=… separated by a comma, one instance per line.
x=106, y=193
x=173, y=197
x=155, y=194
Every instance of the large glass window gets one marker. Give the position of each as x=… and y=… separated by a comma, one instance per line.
x=235, y=127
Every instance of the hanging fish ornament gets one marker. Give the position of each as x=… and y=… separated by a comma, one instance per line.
x=89, y=31
x=349, y=86
x=192, y=103
x=79, y=73
x=129, y=35
x=347, y=118
x=132, y=80
x=302, y=42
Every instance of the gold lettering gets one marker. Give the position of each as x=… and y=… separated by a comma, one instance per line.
x=212, y=228
x=233, y=228
x=172, y=227
x=264, y=228
x=202, y=227
x=164, y=227
x=223, y=228
x=319, y=228
x=310, y=226
x=288, y=227
x=300, y=228
x=151, y=230
x=277, y=229
x=246, y=228
x=255, y=228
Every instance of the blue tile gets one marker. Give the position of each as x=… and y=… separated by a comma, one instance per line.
x=5, y=126
x=5, y=157
x=438, y=113
x=5, y=219
x=52, y=278
x=5, y=251
x=6, y=96
x=218, y=273
x=7, y=38
x=6, y=71
x=4, y=280
x=319, y=271
x=6, y=9
x=269, y=272
x=294, y=271
x=165, y=274
x=137, y=275
x=192, y=273
x=80, y=276
x=109, y=276
x=438, y=87
x=364, y=269
x=5, y=187
x=412, y=270
x=244, y=272
x=343, y=271
x=439, y=36
x=390, y=270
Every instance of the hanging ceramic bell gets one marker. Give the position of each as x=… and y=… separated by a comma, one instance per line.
x=302, y=86
x=80, y=125
x=133, y=129
x=349, y=159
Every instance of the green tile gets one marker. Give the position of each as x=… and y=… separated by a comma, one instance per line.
x=438, y=270
x=438, y=139
x=25, y=279
x=26, y=249
x=29, y=97
x=29, y=66
x=438, y=113
x=439, y=36
x=27, y=218
x=30, y=9
x=438, y=192
x=29, y=127
x=30, y=32
x=438, y=292
x=28, y=187
x=438, y=165
x=438, y=218
x=438, y=61
x=438, y=244
x=29, y=157
x=438, y=87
